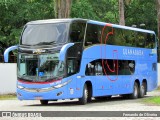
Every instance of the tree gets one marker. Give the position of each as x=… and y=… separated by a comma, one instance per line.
x=16, y=13
x=141, y=12
x=62, y=8
x=83, y=9
x=121, y=12
x=158, y=16
x=105, y=10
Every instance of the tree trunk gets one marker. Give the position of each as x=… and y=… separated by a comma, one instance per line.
x=62, y=8
x=158, y=16
x=121, y=12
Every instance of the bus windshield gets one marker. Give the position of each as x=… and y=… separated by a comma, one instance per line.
x=44, y=34
x=40, y=68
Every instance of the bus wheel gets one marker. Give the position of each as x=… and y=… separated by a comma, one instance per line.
x=85, y=96
x=134, y=95
x=44, y=102
x=142, y=91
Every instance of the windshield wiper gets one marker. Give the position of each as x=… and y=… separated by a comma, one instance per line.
x=54, y=78
x=46, y=43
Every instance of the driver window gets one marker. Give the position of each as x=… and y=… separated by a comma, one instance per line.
x=71, y=63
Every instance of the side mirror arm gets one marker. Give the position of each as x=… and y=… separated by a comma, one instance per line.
x=6, y=52
x=63, y=51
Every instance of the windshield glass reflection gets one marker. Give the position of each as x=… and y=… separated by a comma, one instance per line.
x=40, y=67
x=44, y=34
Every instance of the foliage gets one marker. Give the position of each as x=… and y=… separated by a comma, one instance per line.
x=82, y=9
x=104, y=10
x=136, y=11
x=16, y=13
x=142, y=12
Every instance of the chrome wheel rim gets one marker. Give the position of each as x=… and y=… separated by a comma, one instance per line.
x=135, y=91
x=86, y=94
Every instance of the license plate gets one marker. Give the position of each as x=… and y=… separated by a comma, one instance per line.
x=38, y=98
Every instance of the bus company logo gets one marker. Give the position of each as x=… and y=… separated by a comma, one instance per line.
x=133, y=52
x=103, y=40
x=38, y=51
x=38, y=90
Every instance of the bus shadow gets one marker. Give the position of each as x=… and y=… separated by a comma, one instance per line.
x=112, y=100
x=59, y=103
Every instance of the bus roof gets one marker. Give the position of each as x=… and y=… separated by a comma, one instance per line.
x=55, y=20
x=89, y=21
x=121, y=26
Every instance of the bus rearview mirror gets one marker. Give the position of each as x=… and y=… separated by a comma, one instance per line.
x=63, y=51
x=6, y=52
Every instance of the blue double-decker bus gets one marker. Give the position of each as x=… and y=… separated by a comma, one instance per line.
x=84, y=59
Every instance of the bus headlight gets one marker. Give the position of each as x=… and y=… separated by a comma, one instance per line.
x=20, y=87
x=61, y=85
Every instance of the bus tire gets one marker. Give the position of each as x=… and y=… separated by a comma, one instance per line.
x=135, y=93
x=85, y=96
x=142, y=90
x=44, y=102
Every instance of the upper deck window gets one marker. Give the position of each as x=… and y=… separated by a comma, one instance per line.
x=77, y=30
x=99, y=34
x=44, y=34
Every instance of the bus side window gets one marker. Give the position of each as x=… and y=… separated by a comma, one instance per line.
x=71, y=67
x=98, y=69
x=104, y=32
x=126, y=67
x=77, y=31
x=90, y=69
x=94, y=68
x=150, y=41
x=91, y=35
x=141, y=39
x=75, y=36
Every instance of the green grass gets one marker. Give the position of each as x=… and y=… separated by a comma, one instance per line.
x=153, y=100
x=158, y=88
x=7, y=96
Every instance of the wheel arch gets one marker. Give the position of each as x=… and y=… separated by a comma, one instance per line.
x=138, y=82
x=87, y=93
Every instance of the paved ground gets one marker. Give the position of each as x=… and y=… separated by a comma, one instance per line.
x=114, y=104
